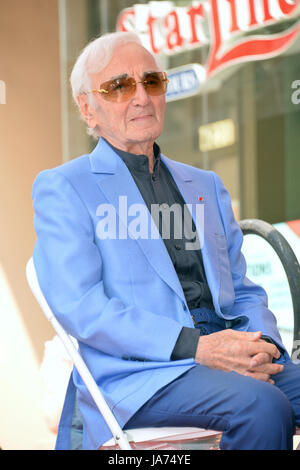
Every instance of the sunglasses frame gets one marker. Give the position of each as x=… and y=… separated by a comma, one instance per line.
x=105, y=92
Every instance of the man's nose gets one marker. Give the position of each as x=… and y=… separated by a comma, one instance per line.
x=141, y=96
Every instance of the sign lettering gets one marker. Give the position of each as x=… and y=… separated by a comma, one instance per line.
x=232, y=28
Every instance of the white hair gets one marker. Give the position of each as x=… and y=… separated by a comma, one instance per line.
x=94, y=58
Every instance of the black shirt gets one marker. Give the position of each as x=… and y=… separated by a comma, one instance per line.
x=160, y=188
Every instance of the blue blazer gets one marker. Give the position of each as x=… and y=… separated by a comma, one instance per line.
x=120, y=296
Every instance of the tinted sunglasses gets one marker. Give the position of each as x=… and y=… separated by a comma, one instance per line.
x=123, y=88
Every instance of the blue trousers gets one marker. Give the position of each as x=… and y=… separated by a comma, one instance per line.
x=252, y=414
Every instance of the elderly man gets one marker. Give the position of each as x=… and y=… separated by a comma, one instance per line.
x=171, y=329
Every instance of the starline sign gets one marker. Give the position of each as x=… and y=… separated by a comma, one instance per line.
x=234, y=30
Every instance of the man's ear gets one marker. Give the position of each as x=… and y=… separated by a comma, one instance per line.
x=87, y=110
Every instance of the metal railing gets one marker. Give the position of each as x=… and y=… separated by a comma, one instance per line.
x=288, y=260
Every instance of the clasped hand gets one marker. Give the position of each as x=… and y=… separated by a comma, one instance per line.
x=239, y=351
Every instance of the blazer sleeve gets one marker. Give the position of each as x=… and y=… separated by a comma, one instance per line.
x=69, y=268
x=250, y=299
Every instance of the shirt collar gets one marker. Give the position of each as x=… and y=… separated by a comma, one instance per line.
x=139, y=163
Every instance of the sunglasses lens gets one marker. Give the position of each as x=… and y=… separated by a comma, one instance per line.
x=155, y=83
x=120, y=89
x=123, y=88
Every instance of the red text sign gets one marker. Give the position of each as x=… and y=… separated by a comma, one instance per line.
x=233, y=29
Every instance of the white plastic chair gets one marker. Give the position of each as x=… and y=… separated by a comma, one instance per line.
x=142, y=438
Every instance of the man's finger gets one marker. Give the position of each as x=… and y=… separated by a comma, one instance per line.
x=255, y=349
x=260, y=358
x=249, y=335
x=271, y=368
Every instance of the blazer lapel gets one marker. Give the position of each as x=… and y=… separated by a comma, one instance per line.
x=194, y=195
x=115, y=182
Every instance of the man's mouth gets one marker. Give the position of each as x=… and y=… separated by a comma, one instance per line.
x=141, y=118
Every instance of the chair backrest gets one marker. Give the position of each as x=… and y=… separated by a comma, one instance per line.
x=119, y=436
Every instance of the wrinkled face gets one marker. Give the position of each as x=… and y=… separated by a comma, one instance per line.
x=136, y=123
